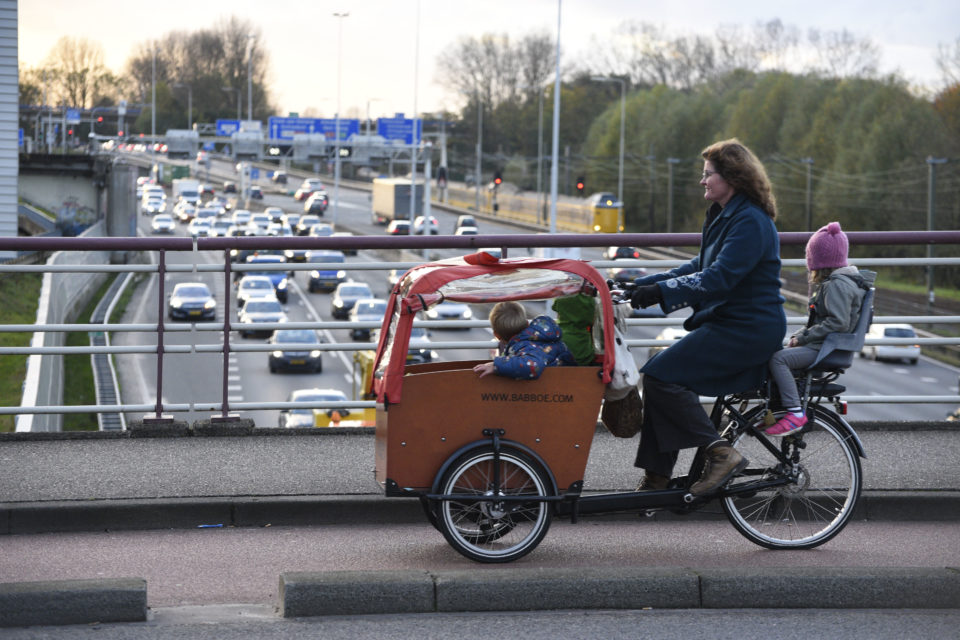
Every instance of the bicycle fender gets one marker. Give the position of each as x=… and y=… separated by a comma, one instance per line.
x=504, y=444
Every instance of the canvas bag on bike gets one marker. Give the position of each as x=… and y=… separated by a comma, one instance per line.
x=622, y=411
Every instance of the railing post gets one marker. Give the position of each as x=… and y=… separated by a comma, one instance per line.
x=225, y=415
x=161, y=276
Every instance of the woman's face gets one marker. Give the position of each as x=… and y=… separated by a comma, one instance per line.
x=715, y=188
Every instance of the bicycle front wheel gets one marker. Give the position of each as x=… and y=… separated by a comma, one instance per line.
x=825, y=481
x=493, y=530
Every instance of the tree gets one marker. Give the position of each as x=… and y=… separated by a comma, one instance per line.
x=841, y=55
x=76, y=72
x=948, y=61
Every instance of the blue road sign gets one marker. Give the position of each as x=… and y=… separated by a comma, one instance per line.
x=284, y=128
x=20, y=137
x=348, y=127
x=226, y=128
x=254, y=173
x=399, y=128
x=73, y=116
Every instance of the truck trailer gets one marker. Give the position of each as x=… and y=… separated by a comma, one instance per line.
x=182, y=143
x=391, y=200
x=186, y=189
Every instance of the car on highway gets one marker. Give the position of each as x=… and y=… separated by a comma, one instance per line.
x=307, y=187
x=304, y=223
x=279, y=230
x=423, y=225
x=907, y=352
x=207, y=213
x=346, y=295
x=291, y=220
x=260, y=311
x=206, y=189
x=450, y=311
x=162, y=223
x=221, y=228
x=327, y=278
x=398, y=228
x=258, y=223
x=255, y=192
x=191, y=301
x=304, y=356
x=317, y=203
x=366, y=310
x=185, y=211
x=465, y=220
x=279, y=177
x=616, y=253
x=277, y=278
x=199, y=227
x=303, y=417
x=275, y=213
x=254, y=288
x=152, y=204
x=466, y=231
x=241, y=217
x=229, y=187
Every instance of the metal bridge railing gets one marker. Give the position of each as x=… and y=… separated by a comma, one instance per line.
x=161, y=247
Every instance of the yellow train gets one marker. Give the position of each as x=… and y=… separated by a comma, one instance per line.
x=598, y=213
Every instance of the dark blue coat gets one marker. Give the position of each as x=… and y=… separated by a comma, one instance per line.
x=733, y=287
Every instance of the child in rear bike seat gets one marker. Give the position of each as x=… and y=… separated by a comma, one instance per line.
x=834, y=307
x=526, y=348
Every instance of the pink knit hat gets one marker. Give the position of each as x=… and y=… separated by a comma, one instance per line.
x=827, y=248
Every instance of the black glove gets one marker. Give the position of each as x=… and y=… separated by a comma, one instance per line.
x=646, y=296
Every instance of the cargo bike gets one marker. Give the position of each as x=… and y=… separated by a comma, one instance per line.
x=492, y=460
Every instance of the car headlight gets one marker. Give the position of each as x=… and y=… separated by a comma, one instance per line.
x=467, y=314
x=288, y=253
x=341, y=275
x=282, y=284
x=277, y=354
x=432, y=314
x=315, y=274
x=176, y=303
x=210, y=304
x=314, y=354
x=338, y=303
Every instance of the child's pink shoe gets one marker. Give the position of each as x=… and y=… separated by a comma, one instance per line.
x=786, y=425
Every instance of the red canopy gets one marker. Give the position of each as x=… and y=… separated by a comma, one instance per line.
x=487, y=280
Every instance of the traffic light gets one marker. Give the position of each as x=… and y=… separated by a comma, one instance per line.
x=99, y=118
x=580, y=185
x=497, y=178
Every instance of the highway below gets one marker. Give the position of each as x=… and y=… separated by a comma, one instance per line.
x=196, y=377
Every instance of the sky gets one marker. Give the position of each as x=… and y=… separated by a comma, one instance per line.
x=386, y=50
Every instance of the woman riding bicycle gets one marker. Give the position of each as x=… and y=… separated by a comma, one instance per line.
x=738, y=322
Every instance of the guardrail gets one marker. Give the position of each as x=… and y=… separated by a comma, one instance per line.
x=93, y=256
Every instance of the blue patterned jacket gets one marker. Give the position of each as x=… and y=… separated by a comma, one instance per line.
x=538, y=346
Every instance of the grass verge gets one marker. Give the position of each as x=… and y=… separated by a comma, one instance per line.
x=19, y=298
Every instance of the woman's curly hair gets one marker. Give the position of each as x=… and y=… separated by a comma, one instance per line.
x=743, y=171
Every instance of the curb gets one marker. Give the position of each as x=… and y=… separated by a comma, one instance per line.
x=73, y=602
x=190, y=513
x=511, y=589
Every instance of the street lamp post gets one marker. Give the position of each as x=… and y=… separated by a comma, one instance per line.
x=339, y=15
x=369, y=100
x=153, y=106
x=476, y=177
x=623, y=111
x=189, y=102
x=250, y=38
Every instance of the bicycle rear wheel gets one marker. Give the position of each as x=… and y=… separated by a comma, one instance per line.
x=826, y=479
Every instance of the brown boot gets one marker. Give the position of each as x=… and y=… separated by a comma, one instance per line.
x=722, y=463
x=653, y=482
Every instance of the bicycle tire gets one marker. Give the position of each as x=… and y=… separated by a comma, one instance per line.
x=494, y=532
x=820, y=500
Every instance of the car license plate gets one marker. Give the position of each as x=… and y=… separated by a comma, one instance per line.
x=194, y=312
x=298, y=362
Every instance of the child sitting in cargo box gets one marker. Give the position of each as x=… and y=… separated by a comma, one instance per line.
x=526, y=348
